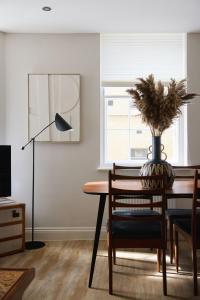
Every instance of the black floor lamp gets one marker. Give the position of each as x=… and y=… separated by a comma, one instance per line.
x=61, y=125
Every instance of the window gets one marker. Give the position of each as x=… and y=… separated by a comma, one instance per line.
x=124, y=58
x=139, y=153
x=110, y=102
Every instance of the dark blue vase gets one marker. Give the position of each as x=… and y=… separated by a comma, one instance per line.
x=157, y=166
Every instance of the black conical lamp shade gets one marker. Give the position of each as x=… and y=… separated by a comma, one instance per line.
x=61, y=124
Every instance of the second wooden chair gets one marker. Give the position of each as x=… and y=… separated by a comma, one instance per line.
x=189, y=228
x=136, y=231
x=186, y=173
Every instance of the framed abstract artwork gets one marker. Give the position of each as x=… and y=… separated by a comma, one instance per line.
x=49, y=94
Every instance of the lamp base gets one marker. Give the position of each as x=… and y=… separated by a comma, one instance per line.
x=34, y=245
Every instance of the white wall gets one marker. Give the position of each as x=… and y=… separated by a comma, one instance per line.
x=61, y=169
x=193, y=109
x=193, y=76
x=2, y=94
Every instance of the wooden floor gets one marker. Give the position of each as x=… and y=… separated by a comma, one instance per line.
x=62, y=270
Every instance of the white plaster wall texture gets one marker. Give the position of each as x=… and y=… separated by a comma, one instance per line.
x=193, y=110
x=193, y=76
x=60, y=169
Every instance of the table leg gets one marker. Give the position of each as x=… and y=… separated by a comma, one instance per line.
x=102, y=202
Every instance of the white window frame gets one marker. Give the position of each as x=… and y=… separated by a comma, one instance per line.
x=182, y=128
x=182, y=132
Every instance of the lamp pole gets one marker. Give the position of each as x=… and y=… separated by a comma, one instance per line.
x=33, y=190
x=33, y=244
x=61, y=125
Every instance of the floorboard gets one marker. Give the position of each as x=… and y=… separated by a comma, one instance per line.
x=62, y=270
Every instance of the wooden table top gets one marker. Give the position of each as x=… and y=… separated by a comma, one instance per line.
x=180, y=187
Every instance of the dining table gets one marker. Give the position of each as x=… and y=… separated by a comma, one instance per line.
x=182, y=188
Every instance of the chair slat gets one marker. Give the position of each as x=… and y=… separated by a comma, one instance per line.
x=136, y=205
x=137, y=218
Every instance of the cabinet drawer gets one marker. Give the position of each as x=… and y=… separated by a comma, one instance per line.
x=8, y=231
x=10, y=246
x=9, y=215
x=12, y=230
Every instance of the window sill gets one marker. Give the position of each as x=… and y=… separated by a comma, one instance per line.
x=104, y=168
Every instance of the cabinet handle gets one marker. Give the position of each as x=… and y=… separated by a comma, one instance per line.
x=15, y=214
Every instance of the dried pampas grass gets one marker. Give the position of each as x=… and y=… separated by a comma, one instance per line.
x=159, y=108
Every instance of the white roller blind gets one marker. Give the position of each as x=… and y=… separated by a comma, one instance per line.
x=125, y=57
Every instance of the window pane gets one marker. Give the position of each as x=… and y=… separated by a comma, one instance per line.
x=139, y=143
x=116, y=91
x=117, y=113
x=170, y=141
x=127, y=138
x=117, y=145
x=139, y=153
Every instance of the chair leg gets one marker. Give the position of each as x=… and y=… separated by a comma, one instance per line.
x=110, y=269
x=164, y=272
x=158, y=259
x=176, y=250
x=194, y=261
x=114, y=256
x=171, y=241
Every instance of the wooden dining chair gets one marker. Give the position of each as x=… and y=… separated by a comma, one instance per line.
x=181, y=213
x=136, y=230
x=131, y=170
x=189, y=228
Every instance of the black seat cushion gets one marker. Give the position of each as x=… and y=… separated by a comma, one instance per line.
x=131, y=212
x=175, y=213
x=136, y=229
x=186, y=225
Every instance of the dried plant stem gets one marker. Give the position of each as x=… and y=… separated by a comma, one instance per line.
x=159, y=108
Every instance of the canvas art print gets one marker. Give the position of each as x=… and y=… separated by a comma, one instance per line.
x=50, y=94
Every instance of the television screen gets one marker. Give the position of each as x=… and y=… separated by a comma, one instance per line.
x=5, y=170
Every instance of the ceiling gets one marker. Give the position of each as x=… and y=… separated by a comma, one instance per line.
x=91, y=16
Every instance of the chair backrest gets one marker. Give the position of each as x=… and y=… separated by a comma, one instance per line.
x=116, y=170
x=187, y=169
x=195, y=206
x=132, y=186
x=176, y=168
x=183, y=175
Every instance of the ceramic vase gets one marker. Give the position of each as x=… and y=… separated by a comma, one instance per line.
x=157, y=166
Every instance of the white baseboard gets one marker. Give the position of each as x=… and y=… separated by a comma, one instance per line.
x=67, y=233
x=64, y=233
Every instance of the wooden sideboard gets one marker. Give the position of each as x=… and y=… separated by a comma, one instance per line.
x=12, y=228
